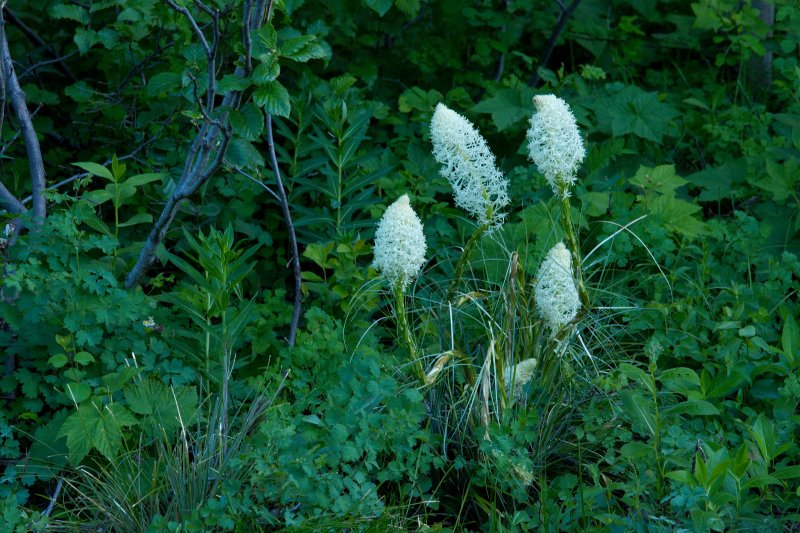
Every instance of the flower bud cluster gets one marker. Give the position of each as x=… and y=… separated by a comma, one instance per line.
x=399, y=244
x=556, y=296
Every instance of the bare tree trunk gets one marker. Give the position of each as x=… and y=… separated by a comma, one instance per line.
x=14, y=94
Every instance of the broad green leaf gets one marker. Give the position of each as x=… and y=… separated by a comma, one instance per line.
x=781, y=179
x=661, y=179
x=139, y=218
x=58, y=360
x=77, y=392
x=232, y=82
x=267, y=71
x=303, y=48
x=141, y=179
x=98, y=196
x=163, y=83
x=692, y=408
x=635, y=450
x=633, y=111
x=79, y=91
x=408, y=7
x=70, y=12
x=638, y=410
x=242, y=154
x=84, y=358
x=508, y=106
x=273, y=98
x=96, y=170
x=719, y=183
x=379, y=6
x=85, y=38
x=166, y=407
x=678, y=216
x=639, y=376
x=247, y=122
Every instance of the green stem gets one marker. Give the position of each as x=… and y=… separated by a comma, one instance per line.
x=464, y=259
x=572, y=244
x=404, y=331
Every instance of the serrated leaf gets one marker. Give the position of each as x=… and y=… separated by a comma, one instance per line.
x=70, y=12
x=163, y=83
x=303, y=48
x=84, y=39
x=247, y=122
x=242, y=154
x=678, y=216
x=273, y=98
x=661, y=179
x=165, y=407
x=267, y=71
x=781, y=180
x=717, y=183
x=232, y=82
x=508, y=106
x=634, y=111
x=77, y=392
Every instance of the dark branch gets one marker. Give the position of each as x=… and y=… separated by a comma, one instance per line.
x=34, y=38
x=17, y=98
x=287, y=217
x=566, y=13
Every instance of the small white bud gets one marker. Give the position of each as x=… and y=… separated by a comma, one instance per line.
x=554, y=142
x=469, y=165
x=556, y=296
x=399, y=244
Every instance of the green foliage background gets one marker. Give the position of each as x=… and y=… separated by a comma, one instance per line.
x=691, y=425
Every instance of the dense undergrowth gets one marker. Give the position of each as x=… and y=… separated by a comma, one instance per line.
x=670, y=403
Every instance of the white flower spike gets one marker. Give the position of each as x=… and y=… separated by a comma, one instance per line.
x=522, y=374
x=556, y=296
x=554, y=142
x=469, y=165
x=399, y=244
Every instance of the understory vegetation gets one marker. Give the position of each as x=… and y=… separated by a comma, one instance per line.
x=399, y=265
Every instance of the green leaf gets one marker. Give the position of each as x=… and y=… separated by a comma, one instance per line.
x=638, y=375
x=273, y=98
x=58, y=360
x=84, y=358
x=98, y=196
x=163, y=83
x=142, y=179
x=790, y=340
x=633, y=111
x=77, y=392
x=692, y=408
x=661, y=179
x=678, y=216
x=508, y=106
x=379, y=6
x=638, y=410
x=232, y=82
x=70, y=12
x=267, y=71
x=718, y=183
x=635, y=450
x=84, y=39
x=96, y=170
x=303, y=48
x=408, y=7
x=164, y=407
x=781, y=180
x=79, y=91
x=242, y=154
x=247, y=122
x=139, y=218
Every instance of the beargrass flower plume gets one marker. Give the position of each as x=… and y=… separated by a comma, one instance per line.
x=521, y=374
x=469, y=165
x=554, y=142
x=399, y=244
x=556, y=295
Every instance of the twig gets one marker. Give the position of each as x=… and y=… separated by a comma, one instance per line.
x=53, y=498
x=566, y=13
x=17, y=97
x=34, y=37
x=45, y=62
x=261, y=183
x=287, y=216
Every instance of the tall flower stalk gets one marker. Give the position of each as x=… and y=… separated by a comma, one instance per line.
x=556, y=147
x=469, y=165
x=399, y=255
